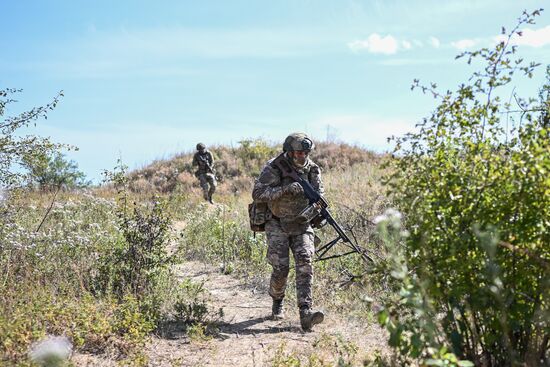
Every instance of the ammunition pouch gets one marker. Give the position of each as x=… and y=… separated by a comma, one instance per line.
x=259, y=214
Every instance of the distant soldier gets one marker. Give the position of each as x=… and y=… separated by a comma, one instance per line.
x=205, y=172
x=286, y=231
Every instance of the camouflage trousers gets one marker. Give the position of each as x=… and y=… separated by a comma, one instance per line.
x=279, y=245
x=208, y=184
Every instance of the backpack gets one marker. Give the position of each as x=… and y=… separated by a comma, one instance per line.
x=259, y=214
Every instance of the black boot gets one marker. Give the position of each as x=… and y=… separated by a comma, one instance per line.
x=277, y=310
x=309, y=318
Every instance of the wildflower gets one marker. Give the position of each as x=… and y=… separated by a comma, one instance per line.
x=393, y=214
x=379, y=219
x=51, y=351
x=391, y=217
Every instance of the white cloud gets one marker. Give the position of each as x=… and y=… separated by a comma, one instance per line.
x=535, y=38
x=464, y=44
x=376, y=44
x=435, y=42
x=387, y=45
x=530, y=37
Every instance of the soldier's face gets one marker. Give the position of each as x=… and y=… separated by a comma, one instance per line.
x=299, y=156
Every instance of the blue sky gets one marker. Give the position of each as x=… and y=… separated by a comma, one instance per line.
x=146, y=79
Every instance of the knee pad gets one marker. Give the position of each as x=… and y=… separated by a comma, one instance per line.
x=281, y=270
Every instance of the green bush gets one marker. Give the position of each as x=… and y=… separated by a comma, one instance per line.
x=51, y=171
x=90, y=324
x=473, y=185
x=87, y=270
x=137, y=261
x=48, y=275
x=190, y=305
x=409, y=313
x=253, y=154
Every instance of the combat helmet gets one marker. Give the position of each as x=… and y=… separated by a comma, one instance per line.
x=201, y=146
x=298, y=141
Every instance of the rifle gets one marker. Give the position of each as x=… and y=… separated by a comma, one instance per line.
x=209, y=167
x=318, y=211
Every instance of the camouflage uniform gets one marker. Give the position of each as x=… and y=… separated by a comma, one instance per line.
x=285, y=232
x=205, y=173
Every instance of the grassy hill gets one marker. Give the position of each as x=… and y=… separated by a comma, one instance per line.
x=236, y=166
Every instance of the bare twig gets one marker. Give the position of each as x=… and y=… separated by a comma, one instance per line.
x=50, y=208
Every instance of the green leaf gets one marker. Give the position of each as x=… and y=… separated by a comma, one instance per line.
x=383, y=317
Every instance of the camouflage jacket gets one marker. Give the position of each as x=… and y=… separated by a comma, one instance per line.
x=204, y=162
x=269, y=188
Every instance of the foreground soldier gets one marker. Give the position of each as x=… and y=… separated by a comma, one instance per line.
x=205, y=172
x=284, y=231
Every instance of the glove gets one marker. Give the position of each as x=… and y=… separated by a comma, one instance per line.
x=294, y=188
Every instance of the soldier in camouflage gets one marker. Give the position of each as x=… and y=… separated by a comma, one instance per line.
x=205, y=172
x=285, y=231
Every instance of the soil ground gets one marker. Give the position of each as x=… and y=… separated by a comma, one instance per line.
x=245, y=335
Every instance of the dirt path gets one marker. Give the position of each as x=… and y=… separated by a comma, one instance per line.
x=247, y=336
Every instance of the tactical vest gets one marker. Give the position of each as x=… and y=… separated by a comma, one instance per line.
x=203, y=162
x=289, y=206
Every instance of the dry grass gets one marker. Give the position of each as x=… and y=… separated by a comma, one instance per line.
x=237, y=167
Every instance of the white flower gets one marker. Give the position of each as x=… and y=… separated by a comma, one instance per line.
x=380, y=219
x=390, y=214
x=390, y=218
x=51, y=351
x=393, y=213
